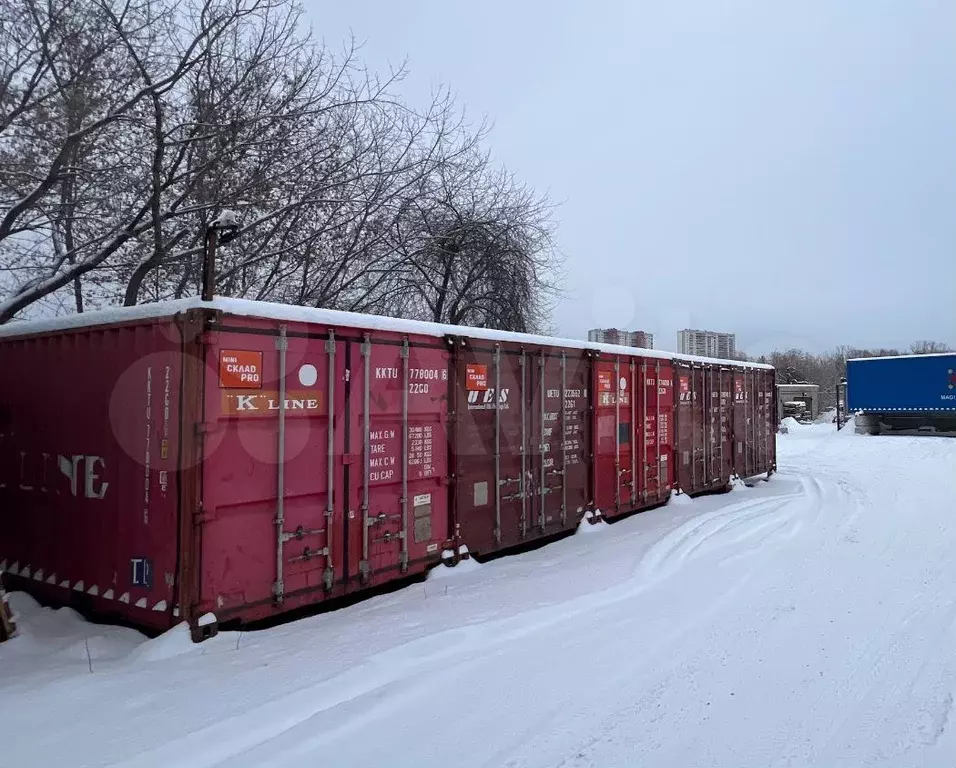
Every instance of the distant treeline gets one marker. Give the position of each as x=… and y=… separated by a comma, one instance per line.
x=796, y=366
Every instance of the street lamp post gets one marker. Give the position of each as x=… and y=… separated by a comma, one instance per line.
x=222, y=229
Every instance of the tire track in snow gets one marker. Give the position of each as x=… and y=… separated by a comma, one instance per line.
x=626, y=667
x=873, y=683
x=789, y=515
x=227, y=739
x=667, y=556
x=761, y=519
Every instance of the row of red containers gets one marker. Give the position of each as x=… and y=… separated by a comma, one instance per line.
x=245, y=459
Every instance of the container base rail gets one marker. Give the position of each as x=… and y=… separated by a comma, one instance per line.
x=938, y=423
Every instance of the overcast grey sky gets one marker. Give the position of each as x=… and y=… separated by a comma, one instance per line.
x=776, y=169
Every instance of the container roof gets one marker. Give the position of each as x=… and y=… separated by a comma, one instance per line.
x=901, y=357
x=296, y=314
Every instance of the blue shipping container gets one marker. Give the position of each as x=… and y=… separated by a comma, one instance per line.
x=909, y=383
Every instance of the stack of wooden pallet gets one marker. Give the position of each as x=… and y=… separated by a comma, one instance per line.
x=7, y=626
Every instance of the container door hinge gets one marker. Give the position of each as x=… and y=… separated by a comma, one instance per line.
x=328, y=577
x=364, y=570
x=403, y=561
x=282, y=342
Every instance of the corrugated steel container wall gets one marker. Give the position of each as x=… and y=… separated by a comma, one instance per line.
x=89, y=444
x=521, y=441
x=914, y=383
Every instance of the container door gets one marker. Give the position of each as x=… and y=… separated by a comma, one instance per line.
x=614, y=429
x=399, y=402
x=726, y=418
x=656, y=407
x=575, y=418
x=770, y=390
x=494, y=463
x=717, y=413
x=685, y=430
x=549, y=422
x=275, y=409
x=765, y=419
x=666, y=429
x=699, y=407
x=633, y=472
x=743, y=423
x=691, y=426
x=756, y=414
x=756, y=436
x=710, y=414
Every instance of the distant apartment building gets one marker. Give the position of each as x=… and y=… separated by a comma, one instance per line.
x=624, y=338
x=706, y=343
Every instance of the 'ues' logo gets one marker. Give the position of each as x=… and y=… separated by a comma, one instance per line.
x=482, y=400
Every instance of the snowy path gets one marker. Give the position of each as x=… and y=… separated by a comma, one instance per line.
x=807, y=621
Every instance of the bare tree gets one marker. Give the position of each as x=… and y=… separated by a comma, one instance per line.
x=126, y=127
x=477, y=249
x=929, y=348
x=80, y=80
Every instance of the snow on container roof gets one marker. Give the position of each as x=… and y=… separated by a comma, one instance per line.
x=295, y=314
x=901, y=357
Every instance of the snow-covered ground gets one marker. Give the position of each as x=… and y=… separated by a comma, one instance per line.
x=810, y=620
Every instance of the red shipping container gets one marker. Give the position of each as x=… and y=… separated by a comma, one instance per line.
x=626, y=478
x=161, y=462
x=176, y=483
x=89, y=444
x=354, y=467
x=521, y=441
x=705, y=415
x=754, y=422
